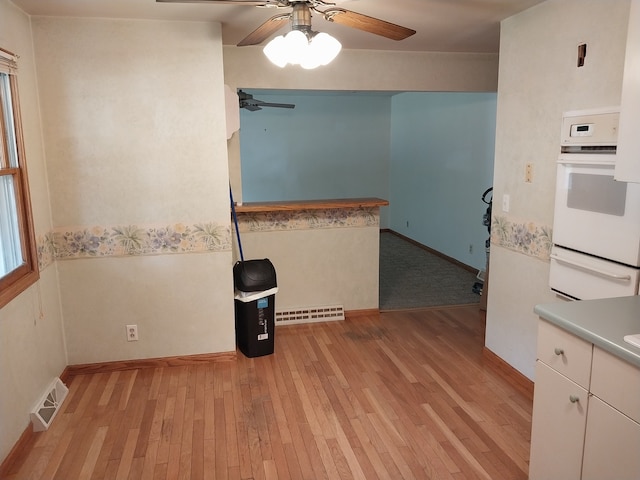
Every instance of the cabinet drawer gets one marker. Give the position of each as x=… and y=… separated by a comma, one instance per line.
x=612, y=443
x=616, y=382
x=565, y=353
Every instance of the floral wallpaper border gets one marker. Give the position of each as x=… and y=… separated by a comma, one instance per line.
x=524, y=237
x=131, y=240
x=309, y=219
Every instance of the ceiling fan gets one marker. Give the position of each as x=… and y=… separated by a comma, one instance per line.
x=300, y=18
x=252, y=104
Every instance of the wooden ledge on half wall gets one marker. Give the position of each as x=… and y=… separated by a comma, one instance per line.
x=297, y=205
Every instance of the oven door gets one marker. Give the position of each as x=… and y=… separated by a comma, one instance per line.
x=595, y=213
x=583, y=277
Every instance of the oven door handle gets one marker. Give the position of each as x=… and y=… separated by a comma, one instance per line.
x=589, y=268
x=587, y=160
x=587, y=163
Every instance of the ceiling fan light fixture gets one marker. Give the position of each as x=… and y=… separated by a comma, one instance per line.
x=297, y=48
x=276, y=51
x=297, y=45
x=324, y=48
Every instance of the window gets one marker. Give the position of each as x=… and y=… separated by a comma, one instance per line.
x=18, y=265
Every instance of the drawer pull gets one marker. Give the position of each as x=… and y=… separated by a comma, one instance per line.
x=558, y=351
x=574, y=398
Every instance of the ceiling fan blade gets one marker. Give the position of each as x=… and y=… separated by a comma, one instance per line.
x=253, y=105
x=247, y=101
x=277, y=105
x=367, y=24
x=265, y=30
x=251, y=108
x=251, y=3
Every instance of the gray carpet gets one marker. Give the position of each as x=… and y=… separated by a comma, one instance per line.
x=412, y=277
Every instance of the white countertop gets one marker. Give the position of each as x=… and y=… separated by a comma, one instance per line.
x=603, y=322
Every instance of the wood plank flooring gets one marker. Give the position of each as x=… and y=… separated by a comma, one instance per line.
x=399, y=395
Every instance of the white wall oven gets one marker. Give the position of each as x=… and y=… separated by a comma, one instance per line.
x=596, y=227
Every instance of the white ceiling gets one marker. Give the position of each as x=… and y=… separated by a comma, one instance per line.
x=441, y=25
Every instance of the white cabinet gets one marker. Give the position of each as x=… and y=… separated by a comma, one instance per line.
x=612, y=444
x=560, y=414
x=586, y=411
x=560, y=403
x=612, y=441
x=628, y=153
x=617, y=383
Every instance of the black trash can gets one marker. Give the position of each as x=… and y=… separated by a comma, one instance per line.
x=255, y=289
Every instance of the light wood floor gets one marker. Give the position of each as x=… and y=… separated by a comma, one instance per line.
x=397, y=396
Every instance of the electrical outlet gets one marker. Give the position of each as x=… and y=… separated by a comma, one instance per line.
x=470, y=248
x=132, y=333
x=528, y=173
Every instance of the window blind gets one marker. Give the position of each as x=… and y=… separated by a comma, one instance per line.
x=8, y=62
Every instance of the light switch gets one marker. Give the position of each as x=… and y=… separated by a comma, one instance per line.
x=505, y=202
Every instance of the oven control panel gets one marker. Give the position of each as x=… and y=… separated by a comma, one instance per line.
x=590, y=127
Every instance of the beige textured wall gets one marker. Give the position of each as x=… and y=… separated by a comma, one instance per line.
x=133, y=120
x=318, y=267
x=179, y=302
x=247, y=67
x=134, y=129
x=539, y=80
x=32, y=351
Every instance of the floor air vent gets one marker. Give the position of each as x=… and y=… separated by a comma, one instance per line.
x=310, y=315
x=48, y=407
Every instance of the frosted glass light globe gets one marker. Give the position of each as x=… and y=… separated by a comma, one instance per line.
x=276, y=51
x=296, y=48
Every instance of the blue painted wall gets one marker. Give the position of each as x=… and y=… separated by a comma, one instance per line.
x=331, y=145
x=429, y=154
x=442, y=152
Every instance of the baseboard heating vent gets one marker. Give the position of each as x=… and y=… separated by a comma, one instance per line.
x=309, y=315
x=49, y=405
